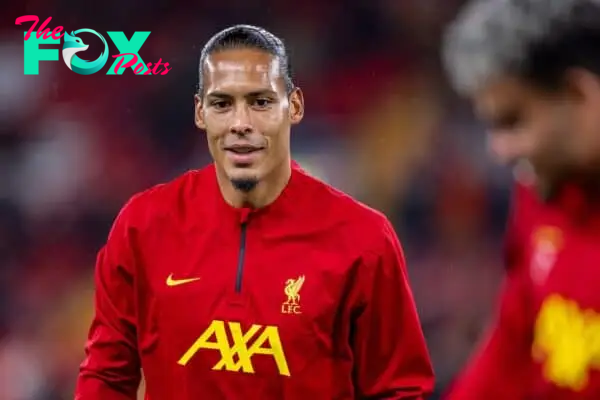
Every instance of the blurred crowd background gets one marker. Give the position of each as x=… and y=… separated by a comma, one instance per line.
x=381, y=124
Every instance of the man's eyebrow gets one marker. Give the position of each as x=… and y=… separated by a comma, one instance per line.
x=254, y=93
x=218, y=94
x=262, y=92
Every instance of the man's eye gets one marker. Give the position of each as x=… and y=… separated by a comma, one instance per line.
x=219, y=104
x=262, y=102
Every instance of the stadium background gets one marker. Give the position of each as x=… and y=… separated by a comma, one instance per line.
x=381, y=123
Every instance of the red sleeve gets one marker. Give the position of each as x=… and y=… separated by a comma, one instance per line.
x=499, y=370
x=111, y=369
x=391, y=358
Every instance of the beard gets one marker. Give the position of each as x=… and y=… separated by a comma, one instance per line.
x=244, y=185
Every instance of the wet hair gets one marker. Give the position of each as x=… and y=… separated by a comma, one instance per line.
x=536, y=40
x=247, y=37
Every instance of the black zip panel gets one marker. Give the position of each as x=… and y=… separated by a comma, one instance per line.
x=241, y=255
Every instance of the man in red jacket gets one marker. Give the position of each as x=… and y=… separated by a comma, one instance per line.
x=249, y=279
x=532, y=68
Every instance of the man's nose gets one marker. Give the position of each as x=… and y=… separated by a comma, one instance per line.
x=504, y=148
x=241, y=123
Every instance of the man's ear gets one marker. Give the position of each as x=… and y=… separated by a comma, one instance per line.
x=296, y=106
x=199, y=112
x=583, y=85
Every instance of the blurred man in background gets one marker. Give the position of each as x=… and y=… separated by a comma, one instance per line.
x=532, y=70
x=250, y=278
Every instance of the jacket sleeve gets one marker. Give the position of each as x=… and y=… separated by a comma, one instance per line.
x=499, y=368
x=111, y=368
x=391, y=357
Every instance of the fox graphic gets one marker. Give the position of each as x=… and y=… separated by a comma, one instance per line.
x=73, y=45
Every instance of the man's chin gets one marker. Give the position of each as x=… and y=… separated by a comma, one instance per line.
x=244, y=185
x=242, y=172
x=244, y=180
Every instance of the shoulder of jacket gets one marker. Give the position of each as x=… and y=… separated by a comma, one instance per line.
x=159, y=199
x=343, y=203
x=359, y=219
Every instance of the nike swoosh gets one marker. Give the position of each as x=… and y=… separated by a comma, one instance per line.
x=176, y=282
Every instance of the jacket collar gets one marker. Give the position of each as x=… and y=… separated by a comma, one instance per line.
x=280, y=208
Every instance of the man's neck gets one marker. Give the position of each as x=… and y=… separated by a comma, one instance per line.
x=264, y=193
x=587, y=182
x=590, y=184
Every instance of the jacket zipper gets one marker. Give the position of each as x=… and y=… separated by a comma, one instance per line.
x=241, y=256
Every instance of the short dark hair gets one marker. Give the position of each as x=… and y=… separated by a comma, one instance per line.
x=250, y=37
x=537, y=40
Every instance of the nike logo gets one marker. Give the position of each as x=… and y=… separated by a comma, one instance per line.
x=176, y=282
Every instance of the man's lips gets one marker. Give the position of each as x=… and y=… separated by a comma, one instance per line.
x=243, y=149
x=243, y=155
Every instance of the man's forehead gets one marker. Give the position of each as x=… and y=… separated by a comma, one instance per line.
x=500, y=95
x=242, y=67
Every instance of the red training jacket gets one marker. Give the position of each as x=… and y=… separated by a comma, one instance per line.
x=545, y=343
x=307, y=298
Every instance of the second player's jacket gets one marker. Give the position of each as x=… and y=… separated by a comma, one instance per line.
x=305, y=299
x=545, y=342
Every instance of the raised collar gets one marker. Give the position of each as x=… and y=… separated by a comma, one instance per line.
x=279, y=208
